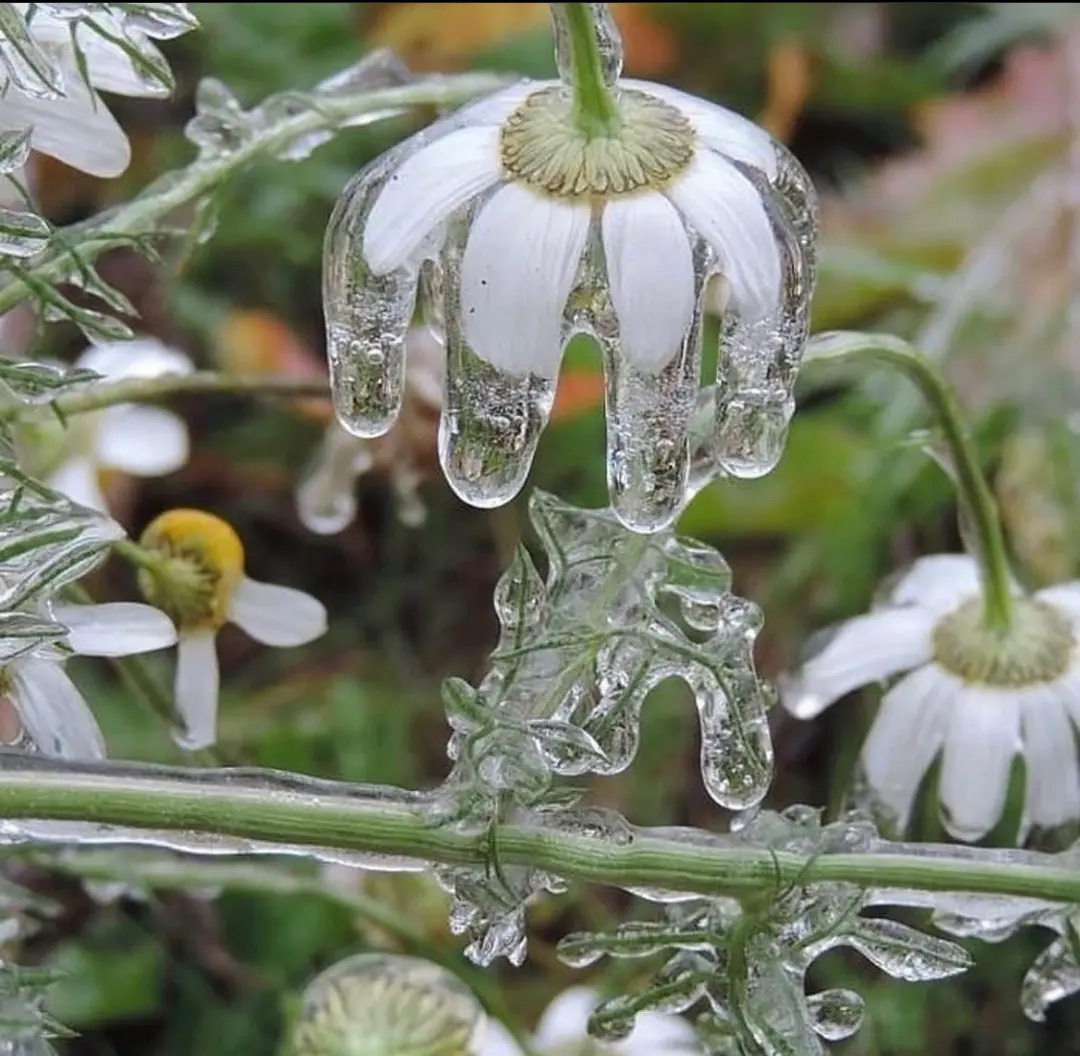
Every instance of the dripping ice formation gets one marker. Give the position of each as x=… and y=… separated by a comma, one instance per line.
x=506, y=275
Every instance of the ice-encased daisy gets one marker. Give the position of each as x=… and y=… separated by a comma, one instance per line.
x=52, y=714
x=976, y=695
x=44, y=89
x=530, y=228
x=193, y=569
x=132, y=438
x=563, y=1031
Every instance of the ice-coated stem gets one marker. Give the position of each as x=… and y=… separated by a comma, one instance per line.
x=584, y=31
x=975, y=492
x=142, y=216
x=272, y=808
x=148, y=390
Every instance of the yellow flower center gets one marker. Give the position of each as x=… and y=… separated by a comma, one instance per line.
x=201, y=562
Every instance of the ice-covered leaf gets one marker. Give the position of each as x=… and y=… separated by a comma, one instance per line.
x=905, y=953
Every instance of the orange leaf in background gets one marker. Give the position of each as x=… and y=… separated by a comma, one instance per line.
x=790, y=80
x=579, y=391
x=433, y=37
x=255, y=341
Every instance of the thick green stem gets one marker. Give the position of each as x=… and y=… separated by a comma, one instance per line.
x=274, y=809
x=974, y=491
x=145, y=213
x=147, y=390
x=595, y=111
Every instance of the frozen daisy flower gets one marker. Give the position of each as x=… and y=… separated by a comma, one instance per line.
x=528, y=217
x=192, y=567
x=976, y=695
x=45, y=90
x=563, y=1031
x=132, y=438
x=41, y=706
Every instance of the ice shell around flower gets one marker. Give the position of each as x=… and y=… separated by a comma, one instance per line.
x=140, y=440
x=563, y=1028
x=977, y=729
x=53, y=713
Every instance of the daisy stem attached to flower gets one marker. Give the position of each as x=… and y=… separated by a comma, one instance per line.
x=975, y=493
x=577, y=28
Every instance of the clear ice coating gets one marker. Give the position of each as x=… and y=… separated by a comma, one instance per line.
x=386, y=1003
x=745, y=967
x=494, y=415
x=27, y=65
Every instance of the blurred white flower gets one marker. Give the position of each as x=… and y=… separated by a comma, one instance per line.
x=45, y=90
x=52, y=713
x=132, y=438
x=562, y=1031
x=979, y=696
x=194, y=571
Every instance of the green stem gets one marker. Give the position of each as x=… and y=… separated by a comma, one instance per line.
x=974, y=491
x=147, y=390
x=274, y=809
x=144, y=214
x=595, y=112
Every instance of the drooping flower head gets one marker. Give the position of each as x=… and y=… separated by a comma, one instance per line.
x=528, y=217
x=976, y=695
x=193, y=569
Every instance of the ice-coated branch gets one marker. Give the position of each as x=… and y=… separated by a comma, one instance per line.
x=323, y=118
x=251, y=811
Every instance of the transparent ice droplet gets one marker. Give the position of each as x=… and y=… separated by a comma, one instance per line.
x=220, y=125
x=836, y=1014
x=14, y=150
x=22, y=234
x=367, y=315
x=609, y=42
x=386, y=1003
x=325, y=497
x=1053, y=976
x=27, y=64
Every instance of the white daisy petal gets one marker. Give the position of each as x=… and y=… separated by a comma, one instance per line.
x=983, y=738
x=1064, y=596
x=278, y=616
x=142, y=357
x=196, y=689
x=143, y=441
x=866, y=649
x=426, y=188
x=657, y=1034
x=53, y=712
x=939, y=583
x=78, y=128
x=717, y=127
x=77, y=478
x=907, y=733
x=119, y=628
x=494, y=109
x=726, y=209
x=565, y=1021
x=650, y=275
x=517, y=272
x=1053, y=776
x=497, y=1041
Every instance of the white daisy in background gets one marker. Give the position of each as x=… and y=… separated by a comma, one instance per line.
x=975, y=695
x=542, y=190
x=131, y=438
x=45, y=91
x=192, y=567
x=562, y=1031
x=50, y=711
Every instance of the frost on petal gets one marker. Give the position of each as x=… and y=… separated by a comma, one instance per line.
x=718, y=128
x=519, y=267
x=938, y=584
x=565, y=1021
x=120, y=628
x=727, y=210
x=650, y=276
x=1053, y=776
x=77, y=478
x=907, y=734
x=143, y=357
x=983, y=738
x=866, y=649
x=53, y=712
x=426, y=188
x=143, y=441
x=278, y=616
x=78, y=129
x=196, y=689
